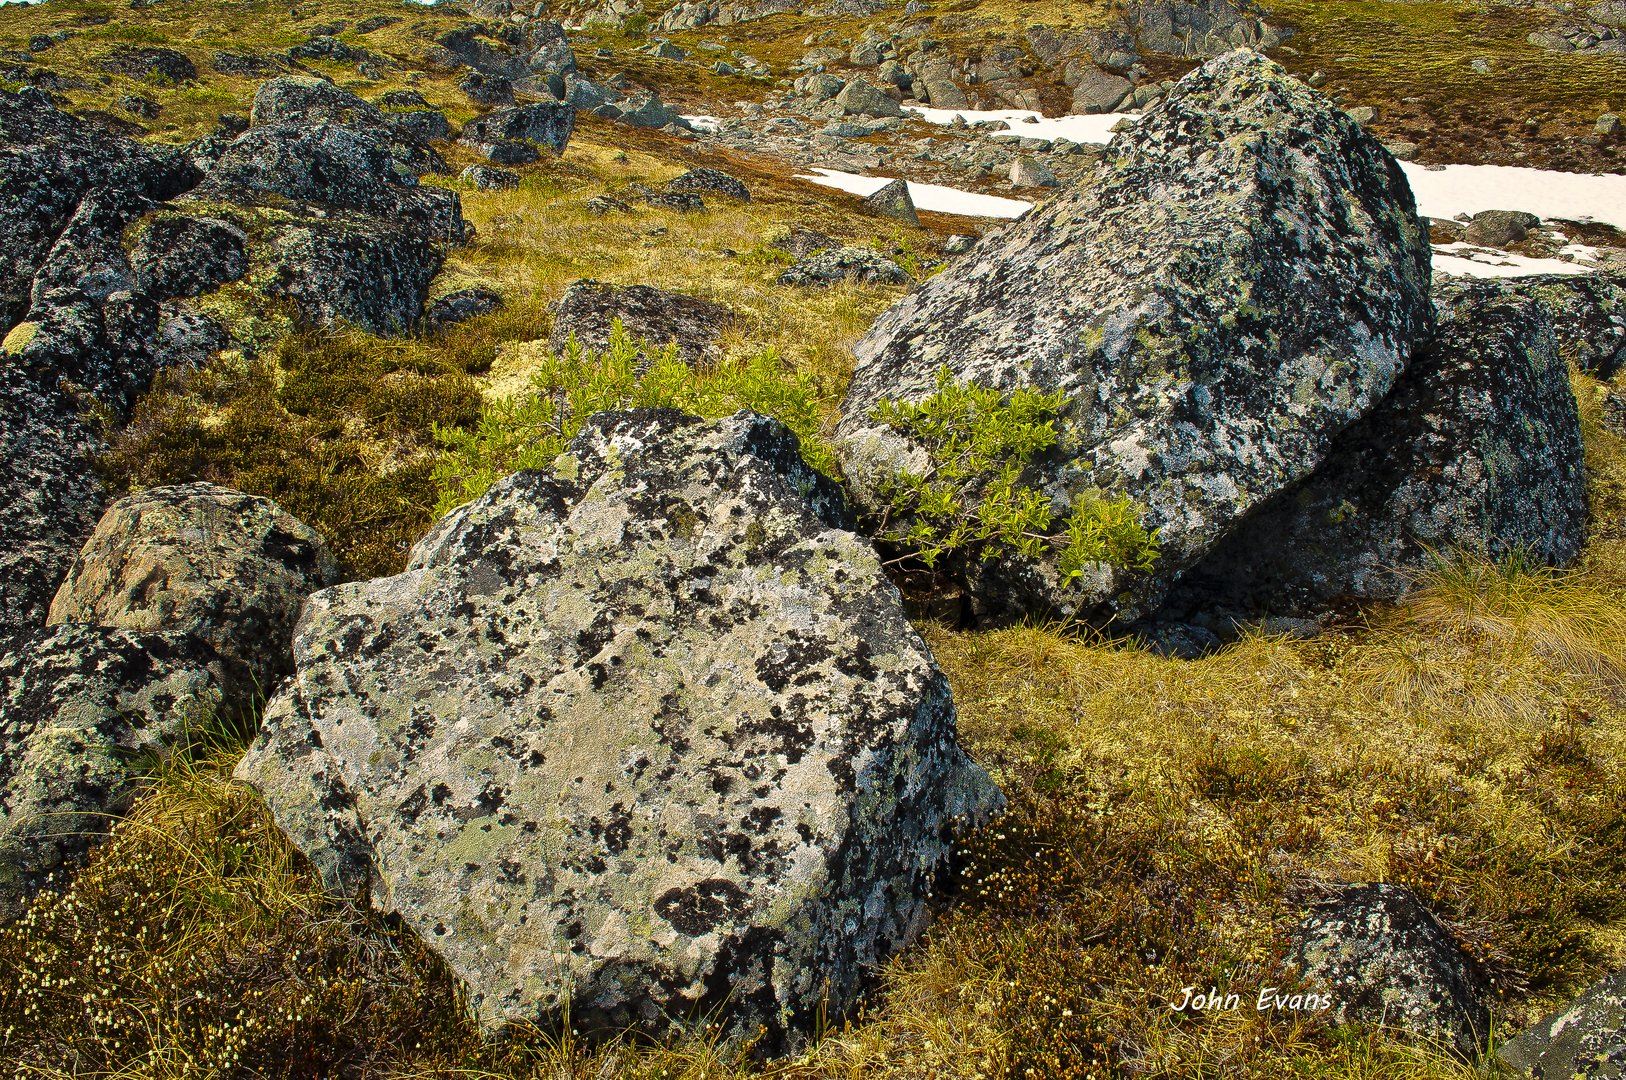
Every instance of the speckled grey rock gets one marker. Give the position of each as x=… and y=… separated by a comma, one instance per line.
x=1478, y=449
x=1586, y=1038
x=229, y=568
x=337, y=166
x=863, y=98
x=364, y=270
x=1027, y=172
x=297, y=99
x=77, y=705
x=1499, y=228
x=648, y=730
x=704, y=181
x=48, y=161
x=489, y=178
x=1243, y=278
x=589, y=310
x=55, y=496
x=1588, y=313
x=461, y=306
x=546, y=124
x=862, y=265
x=176, y=255
x=1384, y=959
x=892, y=201
x=419, y=125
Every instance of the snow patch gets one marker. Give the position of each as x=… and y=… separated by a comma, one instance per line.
x=706, y=125
x=1469, y=189
x=1466, y=260
x=933, y=197
x=1082, y=128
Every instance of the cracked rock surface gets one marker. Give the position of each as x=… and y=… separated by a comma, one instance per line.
x=648, y=730
x=1478, y=449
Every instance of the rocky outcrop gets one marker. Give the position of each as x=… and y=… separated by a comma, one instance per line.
x=350, y=234
x=589, y=311
x=228, y=568
x=822, y=269
x=360, y=270
x=1477, y=450
x=79, y=707
x=1247, y=279
x=1585, y=1038
x=648, y=731
x=79, y=333
x=337, y=166
x=48, y=162
x=1201, y=29
x=1383, y=959
x=176, y=255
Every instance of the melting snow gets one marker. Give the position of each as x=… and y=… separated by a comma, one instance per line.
x=1092, y=128
x=1468, y=189
x=936, y=197
x=1465, y=260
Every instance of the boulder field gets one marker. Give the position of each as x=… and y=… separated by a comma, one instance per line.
x=646, y=735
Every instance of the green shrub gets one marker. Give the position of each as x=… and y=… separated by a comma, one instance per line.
x=530, y=431
x=972, y=497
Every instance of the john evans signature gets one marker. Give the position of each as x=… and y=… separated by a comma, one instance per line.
x=1269, y=997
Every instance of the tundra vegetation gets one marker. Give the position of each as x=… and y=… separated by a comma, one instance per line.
x=1166, y=816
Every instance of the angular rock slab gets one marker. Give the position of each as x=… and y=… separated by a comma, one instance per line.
x=1385, y=959
x=1585, y=1038
x=1244, y=278
x=589, y=310
x=1477, y=450
x=78, y=704
x=648, y=731
x=229, y=568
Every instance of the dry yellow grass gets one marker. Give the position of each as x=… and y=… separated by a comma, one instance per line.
x=1167, y=817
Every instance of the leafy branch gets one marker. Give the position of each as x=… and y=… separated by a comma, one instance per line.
x=970, y=494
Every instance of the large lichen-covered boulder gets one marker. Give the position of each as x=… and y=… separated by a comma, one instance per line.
x=1477, y=451
x=1585, y=1038
x=1243, y=278
x=1384, y=959
x=229, y=568
x=544, y=123
x=334, y=165
x=647, y=735
x=352, y=269
x=79, y=708
x=296, y=99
